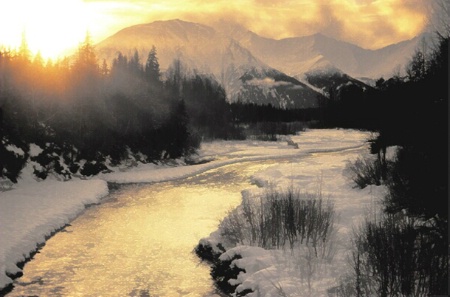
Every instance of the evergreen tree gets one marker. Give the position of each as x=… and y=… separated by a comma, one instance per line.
x=38, y=61
x=24, y=50
x=86, y=60
x=85, y=96
x=152, y=71
x=419, y=177
x=417, y=68
x=134, y=65
x=178, y=131
x=119, y=64
x=104, y=69
x=11, y=163
x=175, y=77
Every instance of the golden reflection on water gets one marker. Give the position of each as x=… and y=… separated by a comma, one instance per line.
x=139, y=241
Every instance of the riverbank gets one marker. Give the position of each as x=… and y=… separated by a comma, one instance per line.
x=245, y=269
x=31, y=210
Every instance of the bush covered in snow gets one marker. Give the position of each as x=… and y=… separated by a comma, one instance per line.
x=278, y=219
x=13, y=160
x=267, y=226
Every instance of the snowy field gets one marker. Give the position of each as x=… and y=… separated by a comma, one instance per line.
x=31, y=211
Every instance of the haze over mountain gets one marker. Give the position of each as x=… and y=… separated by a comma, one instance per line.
x=207, y=51
x=257, y=69
x=299, y=55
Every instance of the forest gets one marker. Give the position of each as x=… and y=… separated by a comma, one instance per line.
x=404, y=251
x=77, y=116
x=410, y=112
x=71, y=117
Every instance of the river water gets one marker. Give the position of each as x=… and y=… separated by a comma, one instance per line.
x=139, y=241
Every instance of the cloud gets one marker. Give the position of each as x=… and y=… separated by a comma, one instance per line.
x=368, y=23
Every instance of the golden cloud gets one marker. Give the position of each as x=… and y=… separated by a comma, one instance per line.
x=368, y=23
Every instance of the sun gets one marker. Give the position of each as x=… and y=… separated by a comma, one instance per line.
x=51, y=27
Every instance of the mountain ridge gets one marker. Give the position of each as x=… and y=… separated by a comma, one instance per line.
x=291, y=50
x=244, y=77
x=293, y=55
x=248, y=65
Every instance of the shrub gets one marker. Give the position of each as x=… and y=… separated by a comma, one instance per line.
x=269, y=131
x=366, y=171
x=207, y=253
x=93, y=168
x=233, y=227
x=223, y=271
x=397, y=256
x=53, y=160
x=281, y=218
x=11, y=164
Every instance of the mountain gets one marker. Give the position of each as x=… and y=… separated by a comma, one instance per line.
x=290, y=72
x=298, y=55
x=329, y=78
x=207, y=51
x=200, y=46
x=270, y=86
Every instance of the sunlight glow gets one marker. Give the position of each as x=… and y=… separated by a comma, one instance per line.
x=51, y=27
x=54, y=27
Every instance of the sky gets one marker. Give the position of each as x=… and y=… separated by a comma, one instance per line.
x=53, y=26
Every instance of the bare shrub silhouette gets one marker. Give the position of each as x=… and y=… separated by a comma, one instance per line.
x=278, y=219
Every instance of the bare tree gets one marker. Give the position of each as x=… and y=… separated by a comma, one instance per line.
x=439, y=19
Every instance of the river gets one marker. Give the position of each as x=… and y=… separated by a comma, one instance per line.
x=139, y=241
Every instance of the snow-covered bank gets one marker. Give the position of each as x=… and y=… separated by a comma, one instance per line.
x=229, y=152
x=33, y=210
x=30, y=213
x=295, y=272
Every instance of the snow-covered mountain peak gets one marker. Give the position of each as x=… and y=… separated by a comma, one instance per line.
x=231, y=52
x=211, y=51
x=323, y=66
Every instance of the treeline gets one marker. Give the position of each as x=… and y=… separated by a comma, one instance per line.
x=410, y=112
x=79, y=116
x=405, y=251
x=254, y=113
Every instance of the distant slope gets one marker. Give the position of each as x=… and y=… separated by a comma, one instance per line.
x=296, y=56
x=291, y=72
x=331, y=78
x=201, y=47
x=276, y=88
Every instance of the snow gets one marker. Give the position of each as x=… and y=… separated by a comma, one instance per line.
x=298, y=55
x=228, y=152
x=14, y=149
x=35, y=150
x=285, y=271
x=31, y=211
